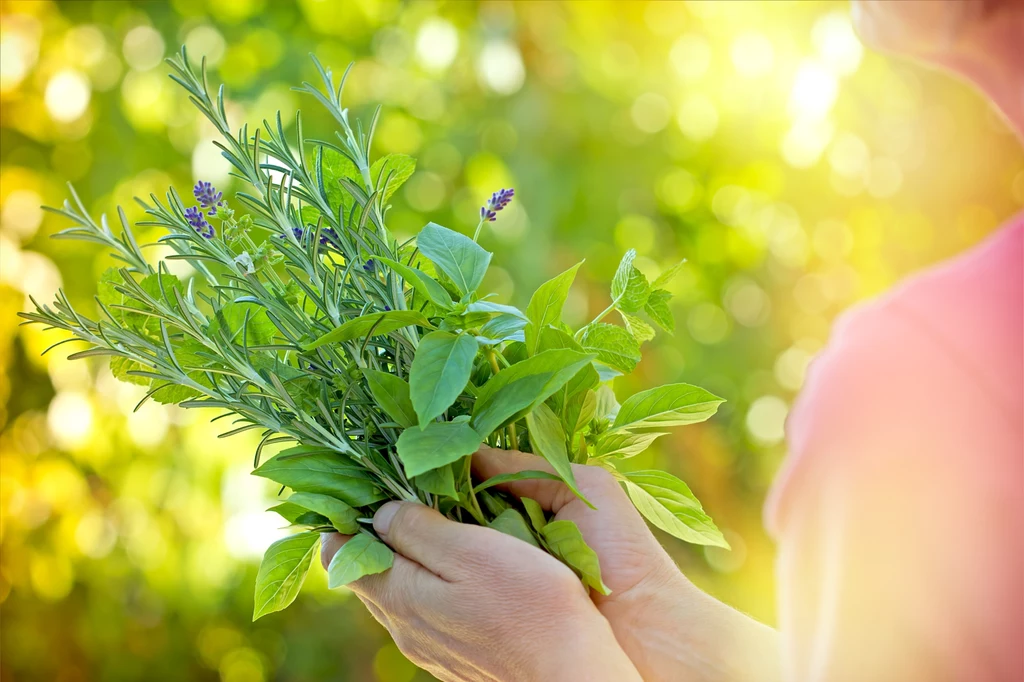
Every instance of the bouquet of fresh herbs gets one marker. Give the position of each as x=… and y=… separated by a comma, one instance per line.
x=380, y=363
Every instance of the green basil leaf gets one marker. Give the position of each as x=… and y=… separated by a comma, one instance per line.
x=580, y=409
x=292, y=513
x=548, y=440
x=390, y=172
x=667, y=503
x=440, y=371
x=282, y=572
x=669, y=405
x=657, y=308
x=454, y=254
x=392, y=394
x=564, y=540
x=504, y=327
x=527, y=475
x=545, y=306
x=374, y=323
x=311, y=470
x=423, y=283
x=361, y=556
x=613, y=345
x=437, y=444
x=488, y=307
x=624, y=444
x=536, y=513
x=440, y=481
x=511, y=522
x=341, y=516
x=523, y=386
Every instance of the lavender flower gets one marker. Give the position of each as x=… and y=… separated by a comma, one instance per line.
x=208, y=196
x=198, y=222
x=498, y=201
x=369, y=265
x=328, y=236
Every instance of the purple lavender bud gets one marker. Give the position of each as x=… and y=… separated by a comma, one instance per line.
x=387, y=308
x=498, y=201
x=328, y=236
x=369, y=265
x=208, y=196
x=195, y=218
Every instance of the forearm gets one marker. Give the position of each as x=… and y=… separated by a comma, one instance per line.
x=682, y=633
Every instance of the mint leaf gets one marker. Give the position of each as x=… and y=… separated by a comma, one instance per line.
x=282, y=572
x=667, y=503
x=613, y=345
x=657, y=307
x=435, y=445
x=454, y=254
x=390, y=172
x=360, y=556
x=640, y=330
x=669, y=405
x=440, y=371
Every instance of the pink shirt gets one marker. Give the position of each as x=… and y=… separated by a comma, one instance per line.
x=899, y=512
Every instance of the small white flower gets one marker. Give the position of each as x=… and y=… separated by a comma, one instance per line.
x=244, y=261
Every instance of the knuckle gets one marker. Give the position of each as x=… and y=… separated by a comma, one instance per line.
x=595, y=478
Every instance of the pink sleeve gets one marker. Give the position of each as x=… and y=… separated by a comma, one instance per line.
x=898, y=515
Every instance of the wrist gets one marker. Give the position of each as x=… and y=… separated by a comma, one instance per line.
x=585, y=649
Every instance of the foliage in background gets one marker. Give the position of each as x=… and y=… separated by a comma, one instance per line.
x=795, y=171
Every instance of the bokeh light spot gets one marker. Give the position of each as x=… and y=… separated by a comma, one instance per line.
x=690, y=56
x=650, y=112
x=766, y=420
x=697, y=117
x=437, y=44
x=752, y=54
x=67, y=95
x=500, y=67
x=143, y=48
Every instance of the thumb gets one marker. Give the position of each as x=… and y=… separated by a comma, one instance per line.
x=442, y=546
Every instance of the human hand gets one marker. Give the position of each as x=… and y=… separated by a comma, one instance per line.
x=470, y=603
x=668, y=627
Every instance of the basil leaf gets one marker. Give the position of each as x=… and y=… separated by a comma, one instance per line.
x=511, y=522
x=613, y=345
x=440, y=371
x=536, y=513
x=504, y=327
x=376, y=324
x=440, y=481
x=392, y=394
x=320, y=471
x=667, y=503
x=423, y=283
x=527, y=475
x=294, y=514
x=488, y=307
x=624, y=443
x=564, y=540
x=454, y=254
x=341, y=516
x=545, y=306
x=361, y=556
x=282, y=572
x=437, y=444
x=523, y=386
x=548, y=440
x=669, y=405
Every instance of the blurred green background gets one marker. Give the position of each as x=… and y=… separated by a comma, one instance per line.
x=795, y=170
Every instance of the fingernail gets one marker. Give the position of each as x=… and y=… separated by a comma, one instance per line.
x=382, y=519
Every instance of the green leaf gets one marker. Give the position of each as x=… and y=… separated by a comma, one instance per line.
x=375, y=323
x=579, y=410
x=667, y=503
x=536, y=513
x=526, y=475
x=440, y=371
x=341, y=516
x=437, y=444
x=120, y=367
x=640, y=330
x=511, y=522
x=668, y=275
x=669, y=405
x=258, y=331
x=624, y=443
x=657, y=308
x=282, y=572
x=423, y=283
x=392, y=394
x=336, y=166
x=296, y=515
x=440, y=481
x=545, y=306
x=564, y=540
x=613, y=345
x=523, y=386
x=504, y=327
x=393, y=169
x=489, y=307
x=361, y=556
x=548, y=440
x=313, y=470
x=454, y=254
x=629, y=286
